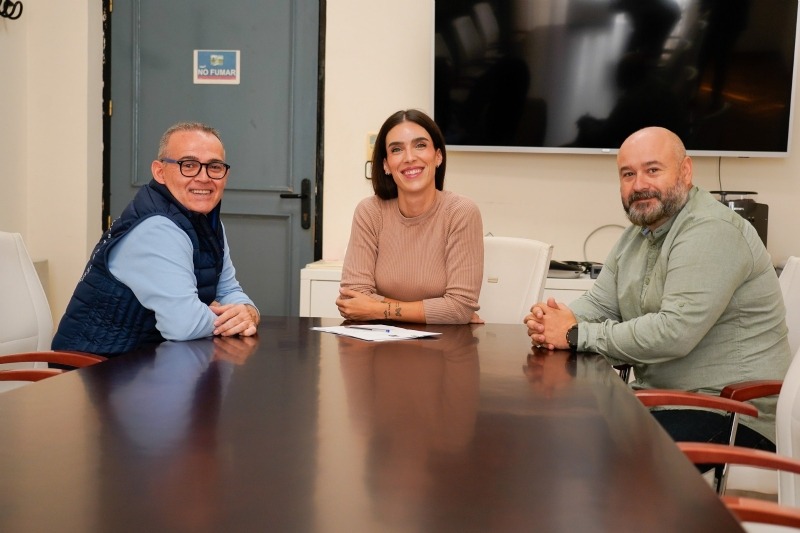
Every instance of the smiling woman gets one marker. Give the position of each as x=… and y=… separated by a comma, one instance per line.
x=415, y=251
x=412, y=161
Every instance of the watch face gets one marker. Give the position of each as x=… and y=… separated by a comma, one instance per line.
x=572, y=337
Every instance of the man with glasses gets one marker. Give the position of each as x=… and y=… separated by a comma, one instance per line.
x=163, y=270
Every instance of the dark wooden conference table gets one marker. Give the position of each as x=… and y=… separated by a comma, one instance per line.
x=300, y=431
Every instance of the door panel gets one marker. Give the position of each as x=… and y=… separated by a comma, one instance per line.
x=252, y=262
x=267, y=122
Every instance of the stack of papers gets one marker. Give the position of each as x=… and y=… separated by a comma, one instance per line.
x=376, y=332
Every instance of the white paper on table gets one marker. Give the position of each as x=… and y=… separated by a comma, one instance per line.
x=376, y=332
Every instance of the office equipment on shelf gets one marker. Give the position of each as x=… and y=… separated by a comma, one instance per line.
x=755, y=213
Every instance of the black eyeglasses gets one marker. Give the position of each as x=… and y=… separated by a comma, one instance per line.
x=216, y=170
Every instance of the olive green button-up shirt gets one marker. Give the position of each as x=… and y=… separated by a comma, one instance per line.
x=694, y=305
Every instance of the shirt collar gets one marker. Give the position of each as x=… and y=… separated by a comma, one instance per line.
x=661, y=230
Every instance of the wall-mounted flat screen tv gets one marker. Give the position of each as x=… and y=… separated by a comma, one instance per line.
x=581, y=75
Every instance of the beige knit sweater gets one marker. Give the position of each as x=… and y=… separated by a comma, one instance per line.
x=436, y=257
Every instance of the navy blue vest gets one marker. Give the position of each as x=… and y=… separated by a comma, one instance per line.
x=104, y=316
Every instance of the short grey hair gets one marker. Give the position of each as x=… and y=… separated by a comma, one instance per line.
x=184, y=126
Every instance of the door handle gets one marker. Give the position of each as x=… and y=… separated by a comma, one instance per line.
x=305, y=202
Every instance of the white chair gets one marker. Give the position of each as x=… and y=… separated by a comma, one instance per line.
x=757, y=515
x=766, y=481
x=746, y=472
x=514, y=275
x=790, y=288
x=27, y=325
x=787, y=432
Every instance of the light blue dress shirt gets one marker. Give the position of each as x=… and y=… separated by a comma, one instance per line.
x=154, y=260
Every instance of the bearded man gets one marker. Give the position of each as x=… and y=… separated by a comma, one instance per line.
x=688, y=296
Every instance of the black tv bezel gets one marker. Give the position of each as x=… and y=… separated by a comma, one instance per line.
x=716, y=153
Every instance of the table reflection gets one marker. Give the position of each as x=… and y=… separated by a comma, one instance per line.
x=550, y=371
x=414, y=404
x=157, y=405
x=316, y=433
x=166, y=416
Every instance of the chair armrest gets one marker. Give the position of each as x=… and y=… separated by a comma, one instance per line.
x=707, y=452
x=747, y=390
x=33, y=374
x=765, y=512
x=73, y=359
x=661, y=397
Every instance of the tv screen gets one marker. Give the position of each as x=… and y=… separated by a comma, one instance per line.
x=581, y=75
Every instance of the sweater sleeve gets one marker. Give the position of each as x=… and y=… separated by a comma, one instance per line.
x=358, y=270
x=464, y=264
x=452, y=239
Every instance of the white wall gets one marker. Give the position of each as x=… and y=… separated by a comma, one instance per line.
x=379, y=60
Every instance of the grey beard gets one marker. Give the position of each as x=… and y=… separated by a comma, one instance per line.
x=669, y=203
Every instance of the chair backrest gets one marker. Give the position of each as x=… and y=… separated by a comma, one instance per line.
x=442, y=49
x=787, y=432
x=790, y=288
x=24, y=312
x=470, y=47
x=487, y=24
x=787, y=419
x=514, y=275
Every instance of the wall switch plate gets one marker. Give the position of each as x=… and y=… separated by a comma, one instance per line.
x=370, y=144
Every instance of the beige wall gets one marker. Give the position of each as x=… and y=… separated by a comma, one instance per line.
x=378, y=60
x=51, y=135
x=13, y=128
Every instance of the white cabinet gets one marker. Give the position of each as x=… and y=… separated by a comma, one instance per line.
x=319, y=288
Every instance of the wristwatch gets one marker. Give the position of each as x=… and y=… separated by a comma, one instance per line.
x=572, y=337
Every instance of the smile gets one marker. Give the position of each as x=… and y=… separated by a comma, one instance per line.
x=202, y=192
x=412, y=172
